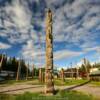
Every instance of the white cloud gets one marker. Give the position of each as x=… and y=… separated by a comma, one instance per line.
x=17, y=21
x=62, y=54
x=90, y=22
x=19, y=14
x=72, y=22
x=4, y=46
x=31, y=52
x=51, y=3
x=67, y=28
x=77, y=8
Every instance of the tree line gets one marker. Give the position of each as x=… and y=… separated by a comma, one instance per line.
x=12, y=64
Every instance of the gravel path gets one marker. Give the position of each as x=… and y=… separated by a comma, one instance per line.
x=95, y=91
x=21, y=88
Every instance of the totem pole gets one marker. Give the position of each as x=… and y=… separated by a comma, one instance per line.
x=18, y=70
x=77, y=72
x=1, y=63
x=86, y=68
x=49, y=87
x=40, y=74
x=33, y=72
x=62, y=75
x=27, y=68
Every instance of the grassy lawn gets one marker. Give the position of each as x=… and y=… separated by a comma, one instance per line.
x=13, y=81
x=30, y=81
x=94, y=83
x=62, y=95
x=69, y=82
x=57, y=82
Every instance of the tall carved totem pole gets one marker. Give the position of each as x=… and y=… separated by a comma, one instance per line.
x=49, y=88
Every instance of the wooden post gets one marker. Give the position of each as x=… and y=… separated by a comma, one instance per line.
x=71, y=71
x=40, y=74
x=62, y=75
x=49, y=83
x=86, y=69
x=18, y=69
x=1, y=63
x=33, y=72
x=77, y=72
x=43, y=77
x=27, y=68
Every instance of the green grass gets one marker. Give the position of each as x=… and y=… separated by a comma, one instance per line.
x=94, y=83
x=7, y=97
x=57, y=82
x=12, y=82
x=36, y=82
x=61, y=95
x=69, y=82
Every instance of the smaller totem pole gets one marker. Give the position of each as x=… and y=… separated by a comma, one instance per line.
x=1, y=63
x=27, y=68
x=18, y=70
x=86, y=68
x=62, y=75
x=33, y=72
x=40, y=74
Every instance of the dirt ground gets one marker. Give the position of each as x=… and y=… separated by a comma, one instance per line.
x=25, y=87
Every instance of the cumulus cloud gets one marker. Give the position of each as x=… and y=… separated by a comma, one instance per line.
x=37, y=55
x=4, y=46
x=19, y=14
x=16, y=18
x=63, y=54
x=33, y=53
x=75, y=22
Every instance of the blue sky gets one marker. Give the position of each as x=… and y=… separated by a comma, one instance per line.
x=76, y=30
